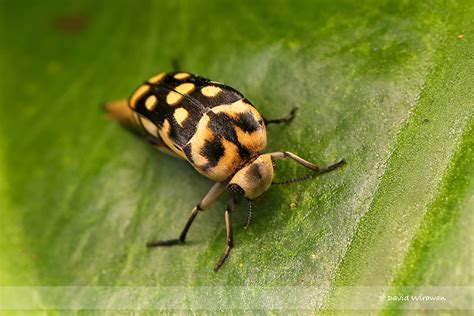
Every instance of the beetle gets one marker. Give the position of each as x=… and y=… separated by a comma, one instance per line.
x=214, y=128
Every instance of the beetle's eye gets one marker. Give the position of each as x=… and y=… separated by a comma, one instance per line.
x=236, y=190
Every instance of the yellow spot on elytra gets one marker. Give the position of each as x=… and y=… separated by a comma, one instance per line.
x=180, y=115
x=157, y=78
x=151, y=102
x=175, y=96
x=149, y=126
x=185, y=88
x=234, y=109
x=181, y=76
x=138, y=94
x=211, y=91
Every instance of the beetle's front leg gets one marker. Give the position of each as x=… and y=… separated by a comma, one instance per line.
x=210, y=197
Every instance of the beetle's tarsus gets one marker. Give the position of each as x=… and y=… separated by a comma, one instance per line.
x=332, y=167
x=292, y=114
x=222, y=258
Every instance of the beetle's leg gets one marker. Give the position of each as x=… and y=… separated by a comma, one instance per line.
x=210, y=197
x=230, y=238
x=288, y=118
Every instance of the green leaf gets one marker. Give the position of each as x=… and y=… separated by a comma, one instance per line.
x=387, y=85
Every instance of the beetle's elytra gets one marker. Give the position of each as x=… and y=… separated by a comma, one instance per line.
x=213, y=127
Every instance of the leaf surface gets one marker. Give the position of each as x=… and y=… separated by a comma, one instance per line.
x=387, y=85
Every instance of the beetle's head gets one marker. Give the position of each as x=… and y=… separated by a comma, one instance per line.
x=253, y=179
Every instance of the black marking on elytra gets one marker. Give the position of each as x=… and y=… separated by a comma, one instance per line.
x=247, y=122
x=183, y=134
x=160, y=112
x=213, y=151
x=223, y=125
x=188, y=152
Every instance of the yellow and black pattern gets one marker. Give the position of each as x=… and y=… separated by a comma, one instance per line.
x=210, y=124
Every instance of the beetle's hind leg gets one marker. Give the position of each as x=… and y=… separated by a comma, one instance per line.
x=286, y=119
x=210, y=197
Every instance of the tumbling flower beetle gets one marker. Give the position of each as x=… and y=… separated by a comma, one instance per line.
x=217, y=130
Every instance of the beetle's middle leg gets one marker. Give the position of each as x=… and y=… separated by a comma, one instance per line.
x=286, y=119
x=210, y=197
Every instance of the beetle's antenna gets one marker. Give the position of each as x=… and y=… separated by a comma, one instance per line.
x=249, y=214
